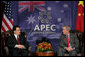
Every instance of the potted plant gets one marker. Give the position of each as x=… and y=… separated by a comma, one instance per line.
x=44, y=49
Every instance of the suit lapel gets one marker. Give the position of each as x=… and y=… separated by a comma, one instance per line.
x=14, y=39
x=71, y=38
x=65, y=40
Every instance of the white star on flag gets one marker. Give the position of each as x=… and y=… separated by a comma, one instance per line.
x=31, y=19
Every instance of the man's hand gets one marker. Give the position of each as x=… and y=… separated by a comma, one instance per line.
x=69, y=49
x=20, y=46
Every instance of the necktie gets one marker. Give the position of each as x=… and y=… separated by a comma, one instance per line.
x=67, y=40
x=18, y=40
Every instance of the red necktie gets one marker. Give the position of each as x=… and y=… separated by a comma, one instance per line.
x=68, y=40
x=18, y=40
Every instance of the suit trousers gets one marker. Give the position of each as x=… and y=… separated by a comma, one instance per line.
x=19, y=52
x=62, y=51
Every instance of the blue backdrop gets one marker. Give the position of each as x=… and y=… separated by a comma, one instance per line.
x=30, y=17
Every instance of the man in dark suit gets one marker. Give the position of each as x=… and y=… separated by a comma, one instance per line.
x=17, y=44
x=68, y=43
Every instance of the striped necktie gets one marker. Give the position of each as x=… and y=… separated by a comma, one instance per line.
x=18, y=40
x=68, y=41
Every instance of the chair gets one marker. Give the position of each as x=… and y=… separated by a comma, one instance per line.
x=80, y=36
x=5, y=49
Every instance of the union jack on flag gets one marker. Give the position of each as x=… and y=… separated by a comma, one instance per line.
x=31, y=5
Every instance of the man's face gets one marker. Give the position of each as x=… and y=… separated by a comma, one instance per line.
x=17, y=31
x=65, y=31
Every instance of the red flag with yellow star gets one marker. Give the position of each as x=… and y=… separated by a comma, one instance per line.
x=80, y=17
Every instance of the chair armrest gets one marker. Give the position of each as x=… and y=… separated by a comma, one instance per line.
x=29, y=48
x=30, y=51
x=6, y=50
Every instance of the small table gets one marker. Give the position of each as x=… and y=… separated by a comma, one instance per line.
x=47, y=53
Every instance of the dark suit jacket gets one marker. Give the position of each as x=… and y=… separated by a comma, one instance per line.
x=73, y=41
x=12, y=42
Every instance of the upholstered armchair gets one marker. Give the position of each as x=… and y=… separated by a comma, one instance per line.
x=80, y=36
x=5, y=49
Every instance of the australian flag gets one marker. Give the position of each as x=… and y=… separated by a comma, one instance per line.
x=27, y=17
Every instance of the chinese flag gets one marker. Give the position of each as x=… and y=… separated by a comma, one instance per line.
x=80, y=17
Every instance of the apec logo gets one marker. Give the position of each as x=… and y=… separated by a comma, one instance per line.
x=45, y=27
x=45, y=18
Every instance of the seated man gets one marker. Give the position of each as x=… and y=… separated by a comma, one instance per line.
x=17, y=43
x=68, y=42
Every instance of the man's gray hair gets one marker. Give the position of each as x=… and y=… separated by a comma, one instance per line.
x=68, y=28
